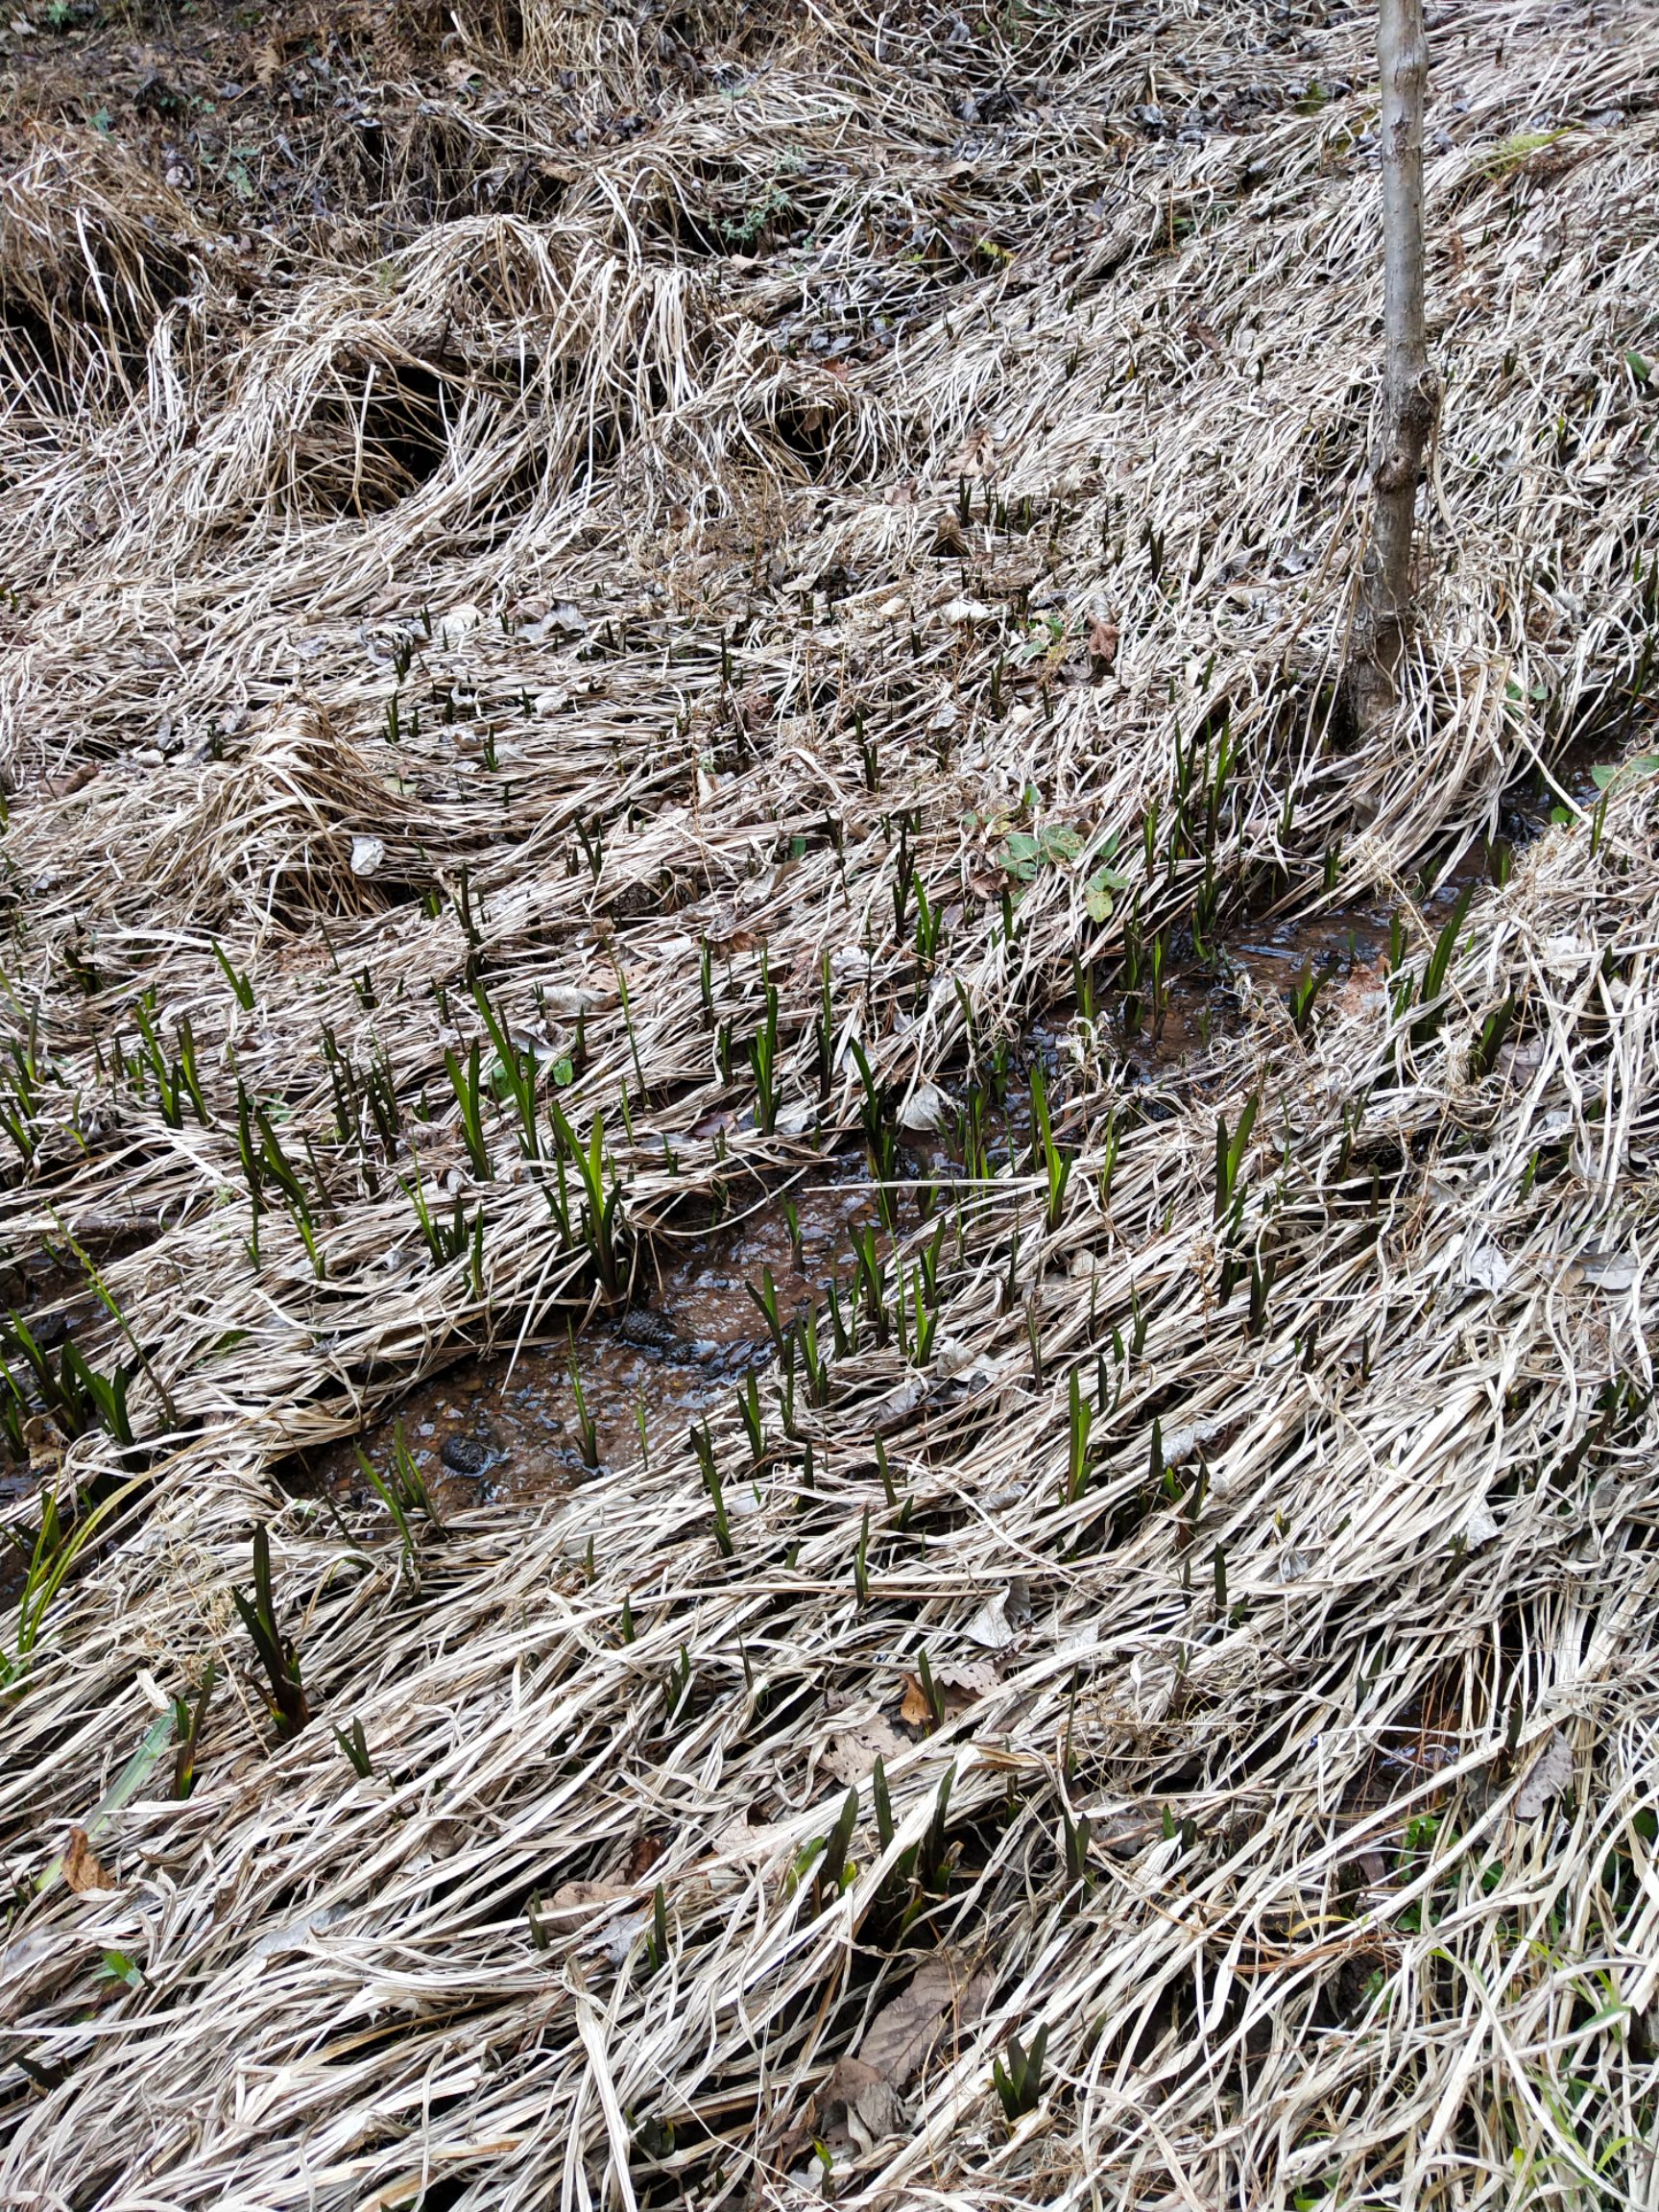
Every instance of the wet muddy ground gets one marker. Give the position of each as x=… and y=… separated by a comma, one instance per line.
x=513, y=1428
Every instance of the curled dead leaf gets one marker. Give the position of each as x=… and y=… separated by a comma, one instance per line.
x=644, y=1854
x=866, y=2105
x=973, y=457
x=1549, y=1774
x=1103, y=642
x=1002, y=1617
x=925, y=1108
x=852, y=2110
x=83, y=1868
x=989, y=883
x=948, y=538
x=963, y=1680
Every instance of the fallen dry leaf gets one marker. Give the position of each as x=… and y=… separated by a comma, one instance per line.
x=1547, y=1777
x=1124, y=1834
x=1103, y=642
x=754, y=1845
x=942, y=1999
x=571, y=1898
x=868, y=2104
x=851, y=1754
x=973, y=457
x=852, y=2110
x=1002, y=1617
x=989, y=884
x=643, y=1855
x=970, y=1678
x=83, y=1868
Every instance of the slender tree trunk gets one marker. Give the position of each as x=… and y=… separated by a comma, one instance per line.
x=1410, y=389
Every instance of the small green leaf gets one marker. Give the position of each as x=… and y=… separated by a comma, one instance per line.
x=1059, y=844
x=1610, y=773
x=1018, y=855
x=563, y=1073
x=1640, y=369
x=1098, y=892
x=1520, y=147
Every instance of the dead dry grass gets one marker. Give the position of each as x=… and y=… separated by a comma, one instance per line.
x=891, y=449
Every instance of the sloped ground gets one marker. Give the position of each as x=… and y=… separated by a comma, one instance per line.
x=625, y=536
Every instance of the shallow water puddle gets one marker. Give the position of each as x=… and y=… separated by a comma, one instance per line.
x=479, y=1432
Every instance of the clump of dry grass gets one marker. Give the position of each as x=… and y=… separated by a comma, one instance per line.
x=1236, y=1555
x=94, y=253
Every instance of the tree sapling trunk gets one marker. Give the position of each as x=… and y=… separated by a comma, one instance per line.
x=1411, y=389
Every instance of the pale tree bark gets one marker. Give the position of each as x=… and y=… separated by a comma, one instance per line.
x=1410, y=388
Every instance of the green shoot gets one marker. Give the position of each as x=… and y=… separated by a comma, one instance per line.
x=1230, y=1154
x=586, y=1433
x=188, y=1723
x=603, y=1231
x=748, y=1407
x=1020, y=2083
x=763, y=1059
x=465, y=1081
x=1302, y=994
x=1435, y=971
x=240, y=984
x=355, y=1746
x=1081, y=1419
x=883, y=1803
x=54, y=1554
x=702, y=1444
x=1056, y=1163
x=1493, y=1031
x=766, y=1299
x=832, y=1872
x=285, y=1699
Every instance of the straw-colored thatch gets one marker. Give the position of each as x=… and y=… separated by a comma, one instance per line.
x=914, y=430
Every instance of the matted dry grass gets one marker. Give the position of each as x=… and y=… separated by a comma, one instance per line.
x=807, y=445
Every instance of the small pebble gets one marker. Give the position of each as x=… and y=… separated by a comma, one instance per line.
x=649, y=1331
x=465, y=1455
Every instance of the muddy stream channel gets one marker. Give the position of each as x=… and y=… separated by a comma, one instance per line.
x=500, y=1429
x=629, y=1384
